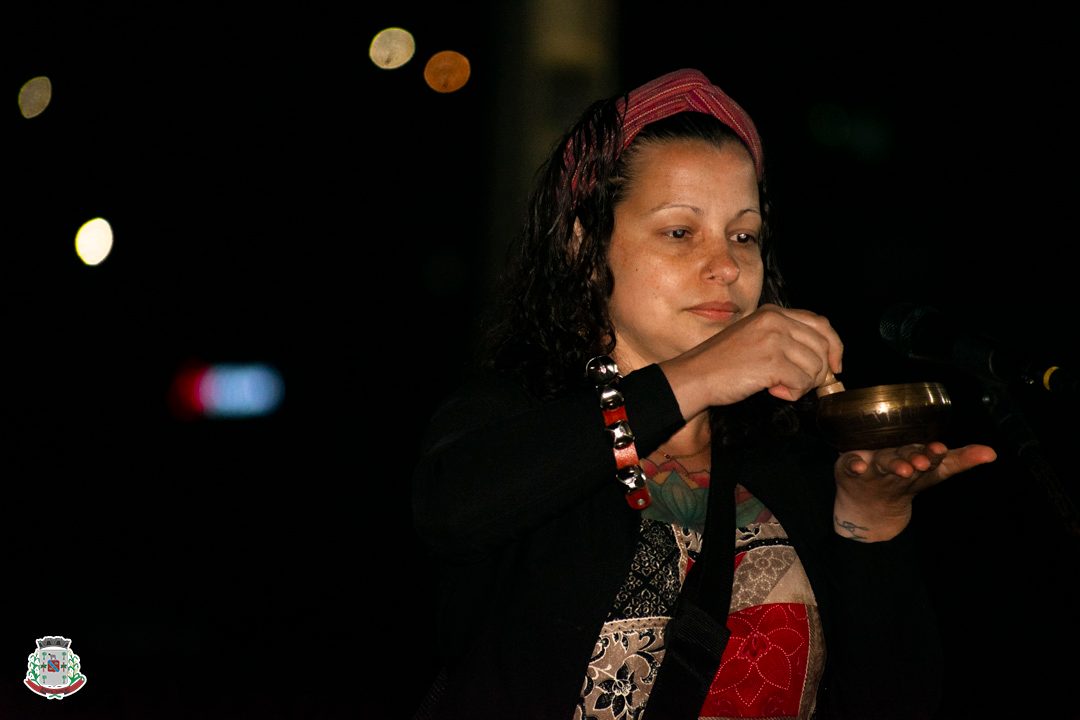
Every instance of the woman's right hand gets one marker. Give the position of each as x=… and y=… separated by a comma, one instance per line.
x=786, y=351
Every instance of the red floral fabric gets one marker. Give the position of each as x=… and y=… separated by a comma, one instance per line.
x=764, y=665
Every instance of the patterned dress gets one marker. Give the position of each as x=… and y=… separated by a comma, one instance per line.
x=774, y=658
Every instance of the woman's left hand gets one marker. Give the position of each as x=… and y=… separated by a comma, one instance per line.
x=875, y=489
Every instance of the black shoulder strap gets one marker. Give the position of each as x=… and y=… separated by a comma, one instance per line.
x=697, y=634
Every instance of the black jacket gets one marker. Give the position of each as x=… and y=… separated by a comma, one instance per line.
x=517, y=503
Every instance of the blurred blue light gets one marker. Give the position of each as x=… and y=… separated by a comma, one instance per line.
x=236, y=391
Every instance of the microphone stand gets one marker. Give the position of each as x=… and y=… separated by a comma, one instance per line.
x=1025, y=446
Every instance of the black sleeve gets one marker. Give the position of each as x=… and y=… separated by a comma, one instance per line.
x=496, y=463
x=884, y=651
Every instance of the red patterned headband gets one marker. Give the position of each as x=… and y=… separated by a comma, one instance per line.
x=687, y=90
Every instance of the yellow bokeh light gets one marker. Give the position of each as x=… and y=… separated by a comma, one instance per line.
x=94, y=241
x=34, y=96
x=391, y=48
x=447, y=71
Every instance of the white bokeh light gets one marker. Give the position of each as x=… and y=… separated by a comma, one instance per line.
x=94, y=241
x=391, y=48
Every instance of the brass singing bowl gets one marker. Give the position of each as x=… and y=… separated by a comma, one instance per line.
x=883, y=415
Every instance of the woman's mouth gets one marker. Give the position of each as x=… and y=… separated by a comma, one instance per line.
x=716, y=311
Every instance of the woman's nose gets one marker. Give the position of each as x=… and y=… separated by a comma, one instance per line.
x=721, y=266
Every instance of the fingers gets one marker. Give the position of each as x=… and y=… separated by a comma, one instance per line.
x=903, y=461
x=965, y=458
x=916, y=459
x=853, y=464
x=822, y=337
x=808, y=342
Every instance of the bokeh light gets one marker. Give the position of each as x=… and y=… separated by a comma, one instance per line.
x=226, y=390
x=34, y=96
x=391, y=48
x=94, y=241
x=447, y=71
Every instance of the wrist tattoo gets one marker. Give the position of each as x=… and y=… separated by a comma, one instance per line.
x=850, y=529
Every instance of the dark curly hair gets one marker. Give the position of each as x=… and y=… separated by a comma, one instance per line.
x=551, y=313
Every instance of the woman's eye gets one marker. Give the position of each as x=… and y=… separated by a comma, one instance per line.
x=744, y=238
x=678, y=233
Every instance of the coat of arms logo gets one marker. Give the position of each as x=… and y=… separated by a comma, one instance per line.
x=53, y=669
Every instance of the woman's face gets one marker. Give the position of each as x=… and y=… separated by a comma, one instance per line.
x=684, y=251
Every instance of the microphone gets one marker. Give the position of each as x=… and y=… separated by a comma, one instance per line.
x=922, y=332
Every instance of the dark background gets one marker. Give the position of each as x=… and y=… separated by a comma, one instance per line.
x=277, y=198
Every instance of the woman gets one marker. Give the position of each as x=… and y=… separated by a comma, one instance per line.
x=631, y=516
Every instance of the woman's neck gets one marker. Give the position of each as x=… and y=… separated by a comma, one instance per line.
x=691, y=439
